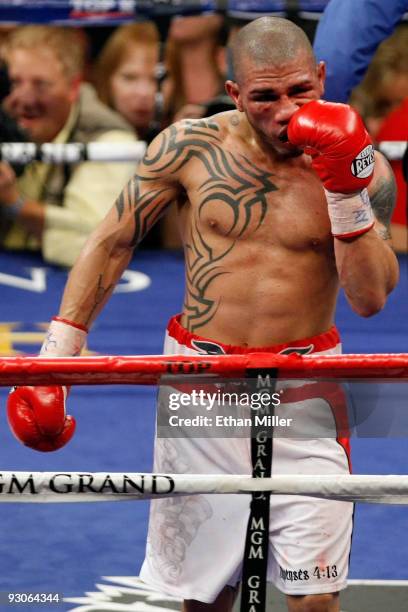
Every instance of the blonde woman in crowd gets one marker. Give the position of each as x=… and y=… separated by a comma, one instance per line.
x=127, y=80
x=127, y=77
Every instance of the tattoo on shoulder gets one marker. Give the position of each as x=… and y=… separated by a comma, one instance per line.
x=383, y=196
x=178, y=144
x=227, y=178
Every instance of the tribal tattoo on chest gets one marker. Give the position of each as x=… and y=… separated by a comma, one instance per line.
x=232, y=182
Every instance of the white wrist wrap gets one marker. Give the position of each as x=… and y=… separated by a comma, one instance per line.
x=63, y=340
x=350, y=213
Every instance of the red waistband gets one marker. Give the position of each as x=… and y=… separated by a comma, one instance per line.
x=322, y=342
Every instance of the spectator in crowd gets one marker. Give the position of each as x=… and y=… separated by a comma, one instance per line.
x=198, y=53
x=382, y=100
x=361, y=27
x=127, y=72
x=385, y=85
x=395, y=127
x=54, y=208
x=198, y=42
x=127, y=77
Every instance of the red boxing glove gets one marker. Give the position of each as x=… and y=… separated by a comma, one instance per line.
x=337, y=133
x=37, y=418
x=36, y=415
x=343, y=157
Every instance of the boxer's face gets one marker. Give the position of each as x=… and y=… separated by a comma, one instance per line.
x=270, y=95
x=41, y=93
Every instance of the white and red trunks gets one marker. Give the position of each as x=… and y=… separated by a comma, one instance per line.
x=195, y=544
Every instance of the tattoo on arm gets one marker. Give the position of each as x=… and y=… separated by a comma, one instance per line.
x=126, y=198
x=149, y=193
x=100, y=295
x=384, y=233
x=383, y=198
x=147, y=208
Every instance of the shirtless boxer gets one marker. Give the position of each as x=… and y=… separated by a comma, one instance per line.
x=270, y=234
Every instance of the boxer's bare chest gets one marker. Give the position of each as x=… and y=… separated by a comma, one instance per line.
x=235, y=194
x=253, y=228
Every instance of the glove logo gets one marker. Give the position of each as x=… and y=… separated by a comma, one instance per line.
x=362, y=166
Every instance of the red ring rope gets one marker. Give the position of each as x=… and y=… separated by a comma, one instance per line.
x=147, y=369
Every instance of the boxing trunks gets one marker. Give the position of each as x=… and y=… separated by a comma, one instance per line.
x=195, y=544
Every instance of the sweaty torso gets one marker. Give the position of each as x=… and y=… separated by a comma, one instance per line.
x=260, y=266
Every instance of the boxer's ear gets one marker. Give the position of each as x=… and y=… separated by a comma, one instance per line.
x=232, y=89
x=321, y=76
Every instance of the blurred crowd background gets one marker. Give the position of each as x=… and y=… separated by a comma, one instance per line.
x=122, y=82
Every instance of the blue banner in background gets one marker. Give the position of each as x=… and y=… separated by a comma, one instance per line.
x=317, y=6
x=158, y=8
x=115, y=12
x=68, y=12
x=251, y=9
x=97, y=12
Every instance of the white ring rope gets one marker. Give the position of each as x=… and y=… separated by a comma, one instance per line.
x=47, y=487
x=72, y=152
